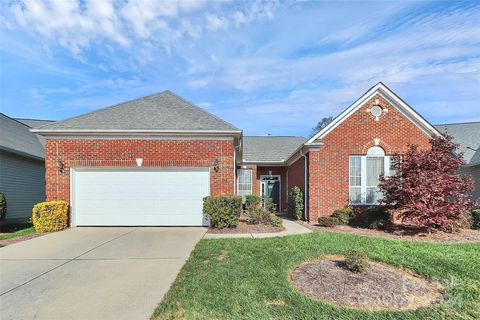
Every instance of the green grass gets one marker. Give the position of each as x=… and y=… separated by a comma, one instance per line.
x=18, y=233
x=234, y=278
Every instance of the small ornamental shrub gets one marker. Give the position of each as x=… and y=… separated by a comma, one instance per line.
x=252, y=203
x=3, y=208
x=265, y=215
x=377, y=217
x=327, y=221
x=344, y=216
x=222, y=211
x=50, y=216
x=356, y=261
x=295, y=203
x=475, y=219
x=275, y=221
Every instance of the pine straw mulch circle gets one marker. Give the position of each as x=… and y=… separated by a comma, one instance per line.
x=380, y=288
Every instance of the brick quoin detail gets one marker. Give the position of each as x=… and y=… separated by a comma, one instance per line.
x=123, y=152
x=328, y=168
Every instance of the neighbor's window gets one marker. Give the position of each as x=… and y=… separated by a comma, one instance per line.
x=244, y=182
x=365, y=172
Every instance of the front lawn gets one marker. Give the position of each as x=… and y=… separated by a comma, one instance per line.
x=20, y=231
x=250, y=278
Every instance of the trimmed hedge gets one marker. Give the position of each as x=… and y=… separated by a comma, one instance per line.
x=344, y=215
x=475, y=219
x=377, y=217
x=222, y=211
x=327, y=221
x=50, y=216
x=3, y=208
x=295, y=203
x=252, y=203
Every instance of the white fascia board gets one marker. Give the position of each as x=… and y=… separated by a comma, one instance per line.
x=307, y=147
x=388, y=95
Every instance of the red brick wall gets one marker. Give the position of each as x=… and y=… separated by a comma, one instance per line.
x=296, y=175
x=328, y=168
x=122, y=153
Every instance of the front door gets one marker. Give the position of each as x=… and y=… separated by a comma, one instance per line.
x=270, y=187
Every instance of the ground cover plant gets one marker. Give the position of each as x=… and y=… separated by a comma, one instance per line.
x=250, y=278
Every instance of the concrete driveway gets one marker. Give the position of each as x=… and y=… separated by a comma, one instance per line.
x=92, y=273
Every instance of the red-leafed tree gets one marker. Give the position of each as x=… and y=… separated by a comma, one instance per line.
x=426, y=188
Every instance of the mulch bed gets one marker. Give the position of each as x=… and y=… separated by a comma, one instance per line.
x=402, y=232
x=381, y=287
x=244, y=227
x=6, y=242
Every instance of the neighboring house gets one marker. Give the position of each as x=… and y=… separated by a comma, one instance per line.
x=467, y=136
x=22, y=167
x=150, y=161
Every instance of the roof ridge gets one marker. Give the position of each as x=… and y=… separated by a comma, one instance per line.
x=34, y=119
x=103, y=109
x=23, y=124
x=201, y=109
x=455, y=123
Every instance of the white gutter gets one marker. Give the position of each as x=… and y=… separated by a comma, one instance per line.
x=305, y=191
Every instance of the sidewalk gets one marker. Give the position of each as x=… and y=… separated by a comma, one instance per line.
x=291, y=228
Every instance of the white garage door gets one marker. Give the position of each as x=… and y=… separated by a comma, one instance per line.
x=139, y=196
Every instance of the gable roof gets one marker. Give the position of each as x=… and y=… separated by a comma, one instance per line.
x=388, y=95
x=467, y=135
x=162, y=112
x=16, y=137
x=270, y=148
x=34, y=123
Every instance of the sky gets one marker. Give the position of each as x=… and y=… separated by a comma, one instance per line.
x=268, y=67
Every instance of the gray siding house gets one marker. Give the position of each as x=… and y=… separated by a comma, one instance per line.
x=467, y=135
x=22, y=168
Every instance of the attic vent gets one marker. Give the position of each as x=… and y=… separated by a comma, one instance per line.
x=377, y=110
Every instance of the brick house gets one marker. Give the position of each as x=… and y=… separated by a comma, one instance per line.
x=150, y=161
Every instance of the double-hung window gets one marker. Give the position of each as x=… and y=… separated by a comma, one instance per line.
x=364, y=176
x=244, y=182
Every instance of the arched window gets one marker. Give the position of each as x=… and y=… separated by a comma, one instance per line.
x=365, y=172
x=376, y=151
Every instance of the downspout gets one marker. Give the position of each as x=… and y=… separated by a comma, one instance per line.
x=305, y=186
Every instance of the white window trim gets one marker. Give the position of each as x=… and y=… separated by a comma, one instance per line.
x=238, y=180
x=363, y=179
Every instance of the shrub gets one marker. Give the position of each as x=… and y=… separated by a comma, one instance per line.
x=327, y=221
x=265, y=214
x=222, y=211
x=3, y=208
x=475, y=219
x=295, y=203
x=344, y=216
x=252, y=203
x=50, y=216
x=275, y=221
x=356, y=261
x=377, y=217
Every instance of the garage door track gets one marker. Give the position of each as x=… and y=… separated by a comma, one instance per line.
x=93, y=273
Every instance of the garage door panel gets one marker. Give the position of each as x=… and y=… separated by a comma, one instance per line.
x=136, y=197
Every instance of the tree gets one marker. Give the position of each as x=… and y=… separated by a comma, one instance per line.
x=321, y=124
x=426, y=188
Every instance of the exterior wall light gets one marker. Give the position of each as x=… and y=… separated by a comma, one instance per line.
x=60, y=166
x=215, y=165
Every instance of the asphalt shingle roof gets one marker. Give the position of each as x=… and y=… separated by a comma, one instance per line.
x=34, y=123
x=163, y=111
x=16, y=137
x=270, y=148
x=467, y=135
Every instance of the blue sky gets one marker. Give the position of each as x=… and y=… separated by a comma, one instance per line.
x=267, y=67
